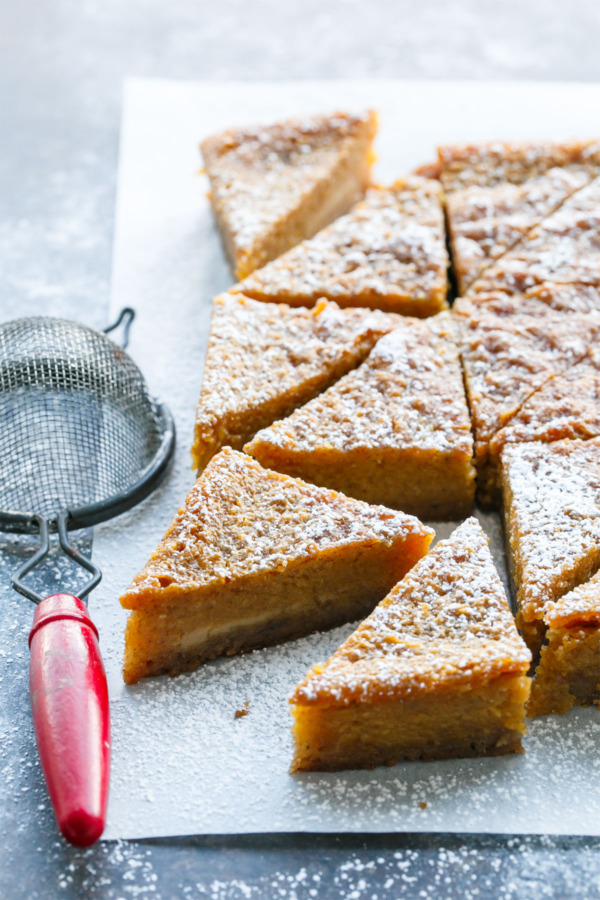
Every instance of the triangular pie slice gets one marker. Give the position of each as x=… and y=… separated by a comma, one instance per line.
x=563, y=249
x=566, y=406
x=265, y=359
x=394, y=431
x=551, y=498
x=569, y=669
x=508, y=356
x=254, y=558
x=496, y=194
x=388, y=253
x=272, y=186
x=437, y=670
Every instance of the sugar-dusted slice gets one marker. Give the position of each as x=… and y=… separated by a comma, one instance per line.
x=536, y=301
x=394, y=431
x=507, y=358
x=273, y=186
x=569, y=669
x=566, y=406
x=437, y=670
x=388, y=253
x=484, y=223
x=254, y=558
x=563, y=249
x=496, y=194
x=514, y=162
x=265, y=359
x=552, y=520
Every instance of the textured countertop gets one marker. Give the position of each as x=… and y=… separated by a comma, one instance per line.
x=63, y=63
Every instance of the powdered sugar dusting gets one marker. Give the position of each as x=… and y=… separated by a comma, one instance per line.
x=445, y=624
x=581, y=605
x=389, y=252
x=258, y=175
x=553, y=514
x=240, y=520
x=263, y=360
x=182, y=763
x=408, y=394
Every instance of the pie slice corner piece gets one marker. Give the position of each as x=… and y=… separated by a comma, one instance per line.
x=255, y=558
x=388, y=253
x=265, y=359
x=394, y=431
x=551, y=500
x=437, y=670
x=273, y=186
x=568, y=673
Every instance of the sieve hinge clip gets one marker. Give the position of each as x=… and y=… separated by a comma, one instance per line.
x=42, y=552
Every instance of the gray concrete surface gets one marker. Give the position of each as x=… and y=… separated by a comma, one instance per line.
x=62, y=64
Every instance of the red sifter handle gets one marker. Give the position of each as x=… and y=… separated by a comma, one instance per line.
x=69, y=702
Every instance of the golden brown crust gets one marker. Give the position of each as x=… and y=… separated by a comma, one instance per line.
x=388, y=253
x=240, y=519
x=272, y=186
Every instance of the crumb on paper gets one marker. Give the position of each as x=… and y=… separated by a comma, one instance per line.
x=243, y=710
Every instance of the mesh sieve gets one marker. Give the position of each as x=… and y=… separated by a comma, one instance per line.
x=78, y=427
x=81, y=438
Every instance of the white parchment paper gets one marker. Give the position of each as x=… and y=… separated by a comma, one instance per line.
x=182, y=762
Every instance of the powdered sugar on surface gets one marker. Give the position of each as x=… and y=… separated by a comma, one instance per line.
x=182, y=762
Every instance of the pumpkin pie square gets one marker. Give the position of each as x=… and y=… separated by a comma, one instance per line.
x=275, y=185
x=255, y=558
x=394, y=431
x=437, y=670
x=388, y=253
